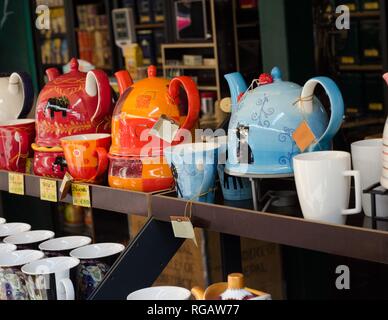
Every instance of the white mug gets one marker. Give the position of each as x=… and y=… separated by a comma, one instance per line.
x=323, y=184
x=49, y=279
x=366, y=156
x=160, y=293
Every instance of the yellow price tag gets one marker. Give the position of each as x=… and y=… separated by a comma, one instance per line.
x=16, y=183
x=48, y=190
x=81, y=195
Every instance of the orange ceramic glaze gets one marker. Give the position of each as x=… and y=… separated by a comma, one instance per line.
x=146, y=175
x=87, y=156
x=140, y=107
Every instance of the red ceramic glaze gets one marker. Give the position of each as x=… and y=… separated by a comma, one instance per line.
x=49, y=162
x=73, y=103
x=15, y=144
x=87, y=156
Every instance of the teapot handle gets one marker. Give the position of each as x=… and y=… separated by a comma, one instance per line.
x=24, y=80
x=97, y=83
x=193, y=99
x=336, y=105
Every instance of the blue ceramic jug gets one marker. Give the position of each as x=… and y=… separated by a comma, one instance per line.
x=264, y=120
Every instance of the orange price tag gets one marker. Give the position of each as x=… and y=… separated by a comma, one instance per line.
x=303, y=136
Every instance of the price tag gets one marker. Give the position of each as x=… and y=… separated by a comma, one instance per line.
x=16, y=183
x=65, y=186
x=165, y=128
x=48, y=190
x=303, y=136
x=81, y=195
x=183, y=228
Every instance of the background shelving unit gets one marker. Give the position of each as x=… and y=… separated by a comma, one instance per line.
x=209, y=50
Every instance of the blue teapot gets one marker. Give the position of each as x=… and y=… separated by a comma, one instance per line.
x=265, y=120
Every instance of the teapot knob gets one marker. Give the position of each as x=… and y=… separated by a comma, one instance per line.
x=152, y=72
x=276, y=74
x=74, y=66
x=265, y=78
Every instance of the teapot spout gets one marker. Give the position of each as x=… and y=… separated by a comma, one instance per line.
x=237, y=86
x=385, y=76
x=124, y=80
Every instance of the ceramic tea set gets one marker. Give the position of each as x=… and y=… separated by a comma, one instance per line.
x=36, y=266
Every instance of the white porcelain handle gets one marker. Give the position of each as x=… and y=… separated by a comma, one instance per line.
x=65, y=290
x=357, y=187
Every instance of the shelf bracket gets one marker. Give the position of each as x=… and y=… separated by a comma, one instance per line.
x=141, y=263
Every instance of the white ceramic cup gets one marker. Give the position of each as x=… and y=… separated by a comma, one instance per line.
x=160, y=293
x=7, y=248
x=2, y=221
x=323, y=184
x=29, y=239
x=49, y=279
x=366, y=156
x=63, y=246
x=9, y=229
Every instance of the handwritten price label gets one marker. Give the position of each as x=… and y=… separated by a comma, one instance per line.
x=81, y=195
x=48, y=190
x=16, y=183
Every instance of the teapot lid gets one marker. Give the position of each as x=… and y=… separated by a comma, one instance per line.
x=274, y=83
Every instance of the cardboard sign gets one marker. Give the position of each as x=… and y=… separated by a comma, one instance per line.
x=16, y=183
x=65, y=185
x=303, y=136
x=48, y=190
x=81, y=195
x=183, y=228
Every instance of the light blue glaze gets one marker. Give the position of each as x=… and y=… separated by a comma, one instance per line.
x=194, y=172
x=272, y=115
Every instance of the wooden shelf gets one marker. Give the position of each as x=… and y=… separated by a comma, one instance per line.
x=103, y=198
x=188, y=45
x=352, y=241
x=361, y=68
x=355, y=240
x=210, y=88
x=190, y=67
x=358, y=14
x=149, y=26
x=363, y=122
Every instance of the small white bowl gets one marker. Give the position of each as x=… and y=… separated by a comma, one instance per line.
x=7, y=248
x=10, y=229
x=65, y=243
x=3, y=221
x=97, y=251
x=19, y=258
x=30, y=237
x=160, y=293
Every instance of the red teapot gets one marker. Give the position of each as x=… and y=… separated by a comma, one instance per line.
x=70, y=104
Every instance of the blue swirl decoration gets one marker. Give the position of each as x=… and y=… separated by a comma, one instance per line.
x=264, y=113
x=286, y=137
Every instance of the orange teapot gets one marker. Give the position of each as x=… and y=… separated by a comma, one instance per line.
x=136, y=156
x=142, y=104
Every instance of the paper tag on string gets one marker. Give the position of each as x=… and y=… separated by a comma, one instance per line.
x=183, y=228
x=165, y=128
x=303, y=136
x=48, y=190
x=65, y=186
x=16, y=183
